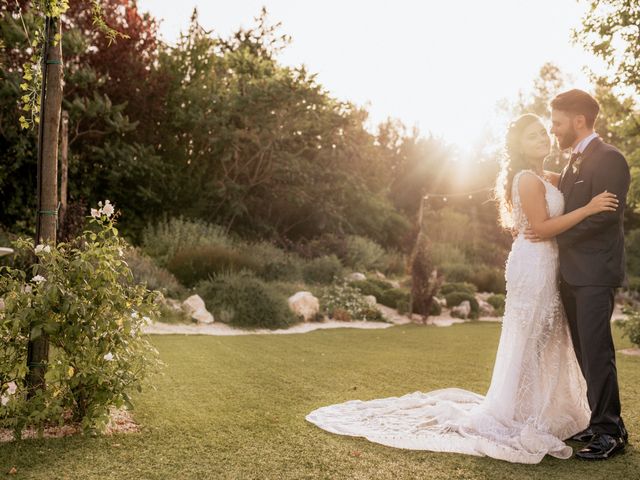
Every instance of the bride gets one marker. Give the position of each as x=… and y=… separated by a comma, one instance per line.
x=537, y=397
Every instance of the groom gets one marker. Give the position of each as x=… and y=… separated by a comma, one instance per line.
x=592, y=265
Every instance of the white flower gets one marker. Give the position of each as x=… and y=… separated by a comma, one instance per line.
x=38, y=279
x=100, y=203
x=146, y=320
x=108, y=208
x=42, y=248
x=27, y=289
x=108, y=357
x=134, y=314
x=95, y=213
x=10, y=391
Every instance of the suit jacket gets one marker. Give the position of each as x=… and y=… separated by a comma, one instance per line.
x=592, y=251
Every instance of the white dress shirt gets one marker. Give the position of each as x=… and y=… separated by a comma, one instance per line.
x=583, y=143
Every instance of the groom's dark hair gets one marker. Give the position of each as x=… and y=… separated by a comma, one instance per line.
x=577, y=102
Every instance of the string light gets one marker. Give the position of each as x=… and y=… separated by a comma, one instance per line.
x=462, y=194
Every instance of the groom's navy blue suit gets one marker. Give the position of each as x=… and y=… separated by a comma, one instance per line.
x=592, y=266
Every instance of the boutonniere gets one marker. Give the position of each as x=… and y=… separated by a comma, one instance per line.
x=575, y=166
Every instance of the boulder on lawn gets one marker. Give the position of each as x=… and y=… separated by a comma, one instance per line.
x=486, y=309
x=195, y=307
x=462, y=311
x=304, y=304
x=371, y=300
x=356, y=277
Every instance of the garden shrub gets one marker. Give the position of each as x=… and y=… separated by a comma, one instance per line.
x=488, y=279
x=363, y=253
x=145, y=271
x=161, y=241
x=198, y=263
x=244, y=300
x=273, y=263
x=436, y=309
x=394, y=263
x=447, y=254
x=367, y=287
x=342, y=301
x=83, y=296
x=634, y=283
x=326, y=244
x=456, y=298
x=497, y=302
x=322, y=269
x=458, y=287
x=393, y=297
x=631, y=325
x=456, y=272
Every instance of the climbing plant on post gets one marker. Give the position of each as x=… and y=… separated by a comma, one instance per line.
x=47, y=177
x=42, y=103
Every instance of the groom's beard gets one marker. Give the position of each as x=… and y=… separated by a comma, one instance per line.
x=567, y=140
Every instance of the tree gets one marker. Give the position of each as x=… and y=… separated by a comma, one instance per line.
x=610, y=29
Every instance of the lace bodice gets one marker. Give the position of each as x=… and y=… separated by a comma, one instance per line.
x=554, y=197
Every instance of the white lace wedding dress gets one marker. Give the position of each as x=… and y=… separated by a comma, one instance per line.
x=537, y=396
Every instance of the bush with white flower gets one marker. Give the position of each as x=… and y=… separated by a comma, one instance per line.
x=82, y=295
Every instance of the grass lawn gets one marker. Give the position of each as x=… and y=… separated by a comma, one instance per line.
x=234, y=407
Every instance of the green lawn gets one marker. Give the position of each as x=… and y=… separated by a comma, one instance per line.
x=234, y=407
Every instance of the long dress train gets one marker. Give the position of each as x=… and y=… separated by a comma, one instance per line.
x=537, y=397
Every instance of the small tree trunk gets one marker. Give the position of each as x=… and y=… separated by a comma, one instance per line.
x=46, y=225
x=424, y=279
x=64, y=166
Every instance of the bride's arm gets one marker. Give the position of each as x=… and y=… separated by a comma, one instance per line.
x=534, y=206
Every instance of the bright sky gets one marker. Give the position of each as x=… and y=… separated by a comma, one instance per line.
x=441, y=65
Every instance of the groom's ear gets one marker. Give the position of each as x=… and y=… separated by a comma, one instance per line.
x=578, y=121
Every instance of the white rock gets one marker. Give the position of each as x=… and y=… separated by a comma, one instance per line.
x=194, y=306
x=463, y=310
x=440, y=301
x=356, y=276
x=486, y=309
x=304, y=304
x=371, y=300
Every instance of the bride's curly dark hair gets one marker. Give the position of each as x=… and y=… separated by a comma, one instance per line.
x=513, y=161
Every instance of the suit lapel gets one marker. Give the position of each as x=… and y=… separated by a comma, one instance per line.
x=569, y=178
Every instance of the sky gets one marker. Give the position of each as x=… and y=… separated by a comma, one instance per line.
x=439, y=65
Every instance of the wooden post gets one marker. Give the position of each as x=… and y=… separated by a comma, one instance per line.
x=46, y=224
x=64, y=166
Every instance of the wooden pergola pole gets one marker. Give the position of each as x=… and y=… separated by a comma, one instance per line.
x=47, y=213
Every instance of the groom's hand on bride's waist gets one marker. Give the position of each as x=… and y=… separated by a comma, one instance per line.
x=530, y=235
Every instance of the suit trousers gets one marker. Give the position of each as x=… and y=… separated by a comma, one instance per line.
x=589, y=309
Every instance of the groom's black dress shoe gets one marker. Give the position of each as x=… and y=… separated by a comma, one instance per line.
x=602, y=447
x=584, y=436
